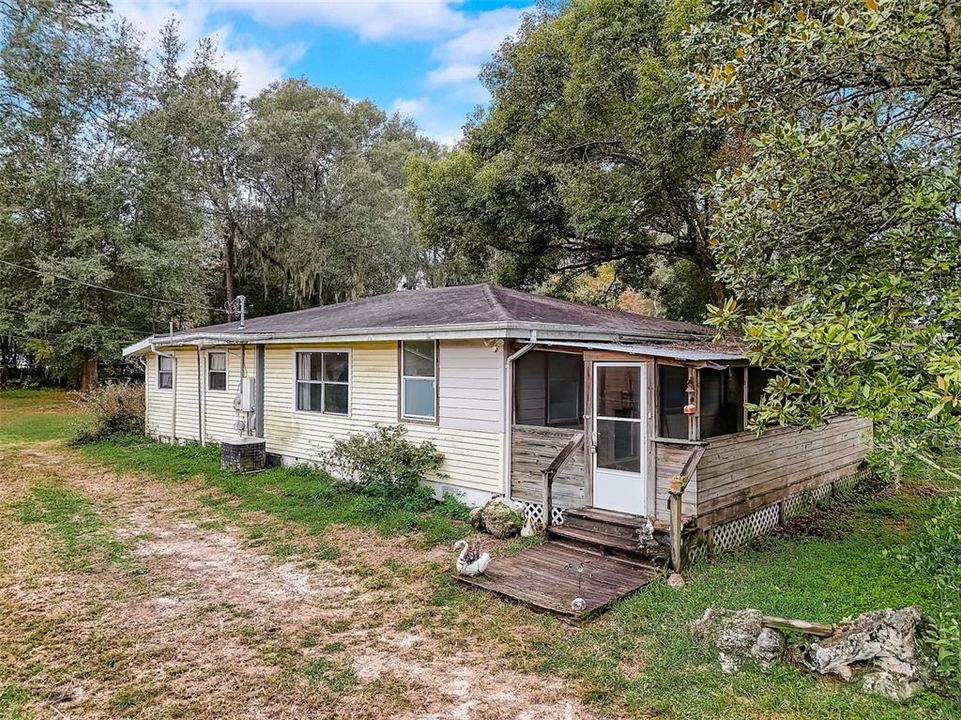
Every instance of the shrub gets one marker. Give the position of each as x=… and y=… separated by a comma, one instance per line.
x=936, y=553
x=113, y=411
x=385, y=464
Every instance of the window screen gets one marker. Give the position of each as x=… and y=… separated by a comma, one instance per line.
x=323, y=382
x=549, y=389
x=419, y=379
x=722, y=401
x=672, y=389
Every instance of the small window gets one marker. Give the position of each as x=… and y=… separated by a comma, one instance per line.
x=722, y=401
x=323, y=382
x=165, y=372
x=419, y=379
x=672, y=391
x=217, y=371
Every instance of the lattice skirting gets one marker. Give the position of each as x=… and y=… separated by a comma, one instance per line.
x=536, y=511
x=745, y=529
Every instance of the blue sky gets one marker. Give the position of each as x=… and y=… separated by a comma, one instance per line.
x=419, y=57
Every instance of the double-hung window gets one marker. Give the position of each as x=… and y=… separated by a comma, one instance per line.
x=323, y=382
x=418, y=382
x=165, y=372
x=216, y=371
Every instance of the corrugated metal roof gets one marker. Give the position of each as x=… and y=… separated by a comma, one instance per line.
x=676, y=351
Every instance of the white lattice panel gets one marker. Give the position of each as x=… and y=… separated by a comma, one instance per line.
x=536, y=511
x=796, y=505
x=820, y=492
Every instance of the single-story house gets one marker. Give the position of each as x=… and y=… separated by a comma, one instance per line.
x=503, y=381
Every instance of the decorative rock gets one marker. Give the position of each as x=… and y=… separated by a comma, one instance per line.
x=476, y=520
x=883, y=639
x=675, y=581
x=739, y=635
x=501, y=517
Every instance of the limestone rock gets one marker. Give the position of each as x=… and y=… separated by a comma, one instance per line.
x=883, y=640
x=739, y=635
x=675, y=581
x=500, y=517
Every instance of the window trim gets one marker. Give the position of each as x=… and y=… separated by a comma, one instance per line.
x=173, y=371
x=225, y=371
x=402, y=386
x=350, y=377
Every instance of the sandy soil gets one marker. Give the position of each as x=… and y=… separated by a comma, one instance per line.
x=199, y=620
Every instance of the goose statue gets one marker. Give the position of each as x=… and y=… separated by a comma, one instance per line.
x=471, y=561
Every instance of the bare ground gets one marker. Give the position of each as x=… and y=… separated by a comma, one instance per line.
x=195, y=618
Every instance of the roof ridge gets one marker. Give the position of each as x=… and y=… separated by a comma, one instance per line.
x=490, y=291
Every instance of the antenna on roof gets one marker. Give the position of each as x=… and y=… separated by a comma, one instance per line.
x=239, y=305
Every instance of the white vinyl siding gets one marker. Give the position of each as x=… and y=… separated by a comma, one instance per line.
x=471, y=386
x=472, y=459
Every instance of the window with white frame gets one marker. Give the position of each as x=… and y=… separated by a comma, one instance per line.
x=165, y=372
x=418, y=382
x=323, y=382
x=216, y=371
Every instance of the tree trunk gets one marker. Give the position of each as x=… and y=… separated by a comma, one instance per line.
x=229, y=235
x=88, y=374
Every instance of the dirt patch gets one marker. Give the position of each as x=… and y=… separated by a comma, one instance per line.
x=208, y=624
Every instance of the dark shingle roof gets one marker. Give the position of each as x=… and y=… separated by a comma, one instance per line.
x=462, y=305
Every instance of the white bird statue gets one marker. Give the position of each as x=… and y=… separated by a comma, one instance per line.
x=471, y=561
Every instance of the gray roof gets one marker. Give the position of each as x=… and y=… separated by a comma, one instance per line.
x=467, y=305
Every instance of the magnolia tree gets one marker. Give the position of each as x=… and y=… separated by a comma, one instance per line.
x=839, y=233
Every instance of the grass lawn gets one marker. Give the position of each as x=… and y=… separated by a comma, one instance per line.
x=638, y=660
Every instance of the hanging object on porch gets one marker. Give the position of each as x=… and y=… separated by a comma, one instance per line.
x=472, y=561
x=690, y=409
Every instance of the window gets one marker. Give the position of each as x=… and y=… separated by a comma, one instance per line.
x=165, y=372
x=549, y=389
x=722, y=401
x=672, y=397
x=419, y=379
x=323, y=382
x=217, y=371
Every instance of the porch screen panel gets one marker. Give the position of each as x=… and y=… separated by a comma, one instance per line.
x=672, y=397
x=549, y=389
x=722, y=401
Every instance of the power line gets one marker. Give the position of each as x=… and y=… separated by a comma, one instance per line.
x=133, y=333
x=46, y=273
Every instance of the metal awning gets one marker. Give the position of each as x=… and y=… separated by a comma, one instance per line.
x=674, y=352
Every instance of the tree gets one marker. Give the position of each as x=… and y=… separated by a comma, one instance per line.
x=73, y=185
x=589, y=154
x=840, y=234
x=326, y=216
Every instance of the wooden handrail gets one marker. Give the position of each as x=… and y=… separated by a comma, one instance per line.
x=551, y=471
x=675, y=492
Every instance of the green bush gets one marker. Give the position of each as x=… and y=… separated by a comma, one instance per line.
x=936, y=553
x=384, y=464
x=112, y=411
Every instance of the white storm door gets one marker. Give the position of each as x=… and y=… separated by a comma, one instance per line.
x=620, y=437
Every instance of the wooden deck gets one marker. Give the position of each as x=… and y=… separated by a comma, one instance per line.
x=546, y=577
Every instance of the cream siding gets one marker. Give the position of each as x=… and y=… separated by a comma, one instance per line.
x=159, y=403
x=220, y=416
x=471, y=386
x=188, y=405
x=472, y=458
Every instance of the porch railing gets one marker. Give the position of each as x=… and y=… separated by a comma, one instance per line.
x=675, y=492
x=551, y=471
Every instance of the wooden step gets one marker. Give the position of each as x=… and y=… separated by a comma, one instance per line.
x=608, y=517
x=588, y=524
x=604, y=541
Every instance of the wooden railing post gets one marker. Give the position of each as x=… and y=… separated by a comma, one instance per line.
x=675, y=493
x=551, y=471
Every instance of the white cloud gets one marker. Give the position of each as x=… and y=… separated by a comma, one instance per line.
x=370, y=19
x=410, y=107
x=453, y=74
x=482, y=36
x=255, y=66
